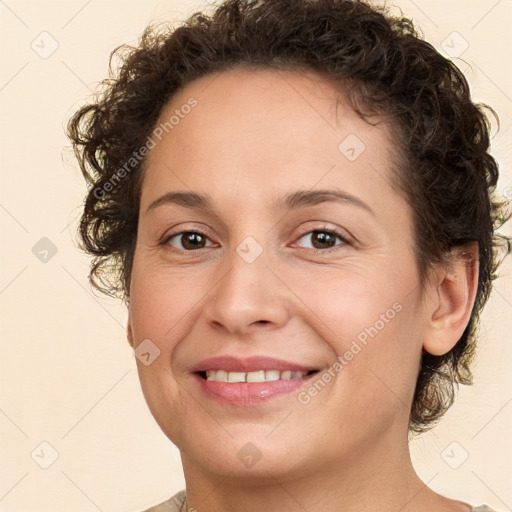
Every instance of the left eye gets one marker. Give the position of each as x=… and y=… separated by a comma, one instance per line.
x=323, y=239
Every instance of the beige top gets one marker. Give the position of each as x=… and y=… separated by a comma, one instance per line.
x=176, y=502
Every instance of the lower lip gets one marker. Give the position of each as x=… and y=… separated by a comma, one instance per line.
x=250, y=393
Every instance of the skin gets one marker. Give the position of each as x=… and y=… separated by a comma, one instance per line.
x=254, y=137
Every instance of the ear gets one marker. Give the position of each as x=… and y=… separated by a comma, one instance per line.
x=129, y=331
x=452, y=296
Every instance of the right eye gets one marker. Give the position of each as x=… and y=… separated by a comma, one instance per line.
x=188, y=241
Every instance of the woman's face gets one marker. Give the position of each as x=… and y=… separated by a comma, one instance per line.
x=287, y=250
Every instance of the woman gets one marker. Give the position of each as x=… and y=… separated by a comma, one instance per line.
x=294, y=198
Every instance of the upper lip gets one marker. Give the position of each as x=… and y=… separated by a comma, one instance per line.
x=248, y=364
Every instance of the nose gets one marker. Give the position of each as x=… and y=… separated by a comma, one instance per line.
x=249, y=296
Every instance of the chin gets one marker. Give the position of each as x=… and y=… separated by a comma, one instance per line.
x=247, y=456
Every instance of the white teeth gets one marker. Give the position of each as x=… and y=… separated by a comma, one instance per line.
x=236, y=377
x=272, y=375
x=222, y=376
x=258, y=376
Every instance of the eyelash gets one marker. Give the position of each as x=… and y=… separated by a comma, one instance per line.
x=325, y=229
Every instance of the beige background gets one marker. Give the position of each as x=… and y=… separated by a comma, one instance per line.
x=67, y=375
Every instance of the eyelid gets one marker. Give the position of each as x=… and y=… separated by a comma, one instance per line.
x=324, y=226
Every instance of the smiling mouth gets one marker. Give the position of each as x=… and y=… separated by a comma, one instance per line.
x=254, y=376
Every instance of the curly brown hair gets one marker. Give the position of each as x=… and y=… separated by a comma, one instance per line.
x=387, y=70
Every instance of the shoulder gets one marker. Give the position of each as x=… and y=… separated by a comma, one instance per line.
x=174, y=504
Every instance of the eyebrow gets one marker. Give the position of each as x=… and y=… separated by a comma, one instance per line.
x=298, y=199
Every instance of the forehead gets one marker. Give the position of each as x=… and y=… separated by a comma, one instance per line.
x=265, y=130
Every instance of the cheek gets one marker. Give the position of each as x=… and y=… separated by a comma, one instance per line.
x=350, y=303
x=163, y=302
x=163, y=309
x=372, y=323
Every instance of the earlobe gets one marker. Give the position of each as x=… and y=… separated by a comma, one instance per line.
x=455, y=293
